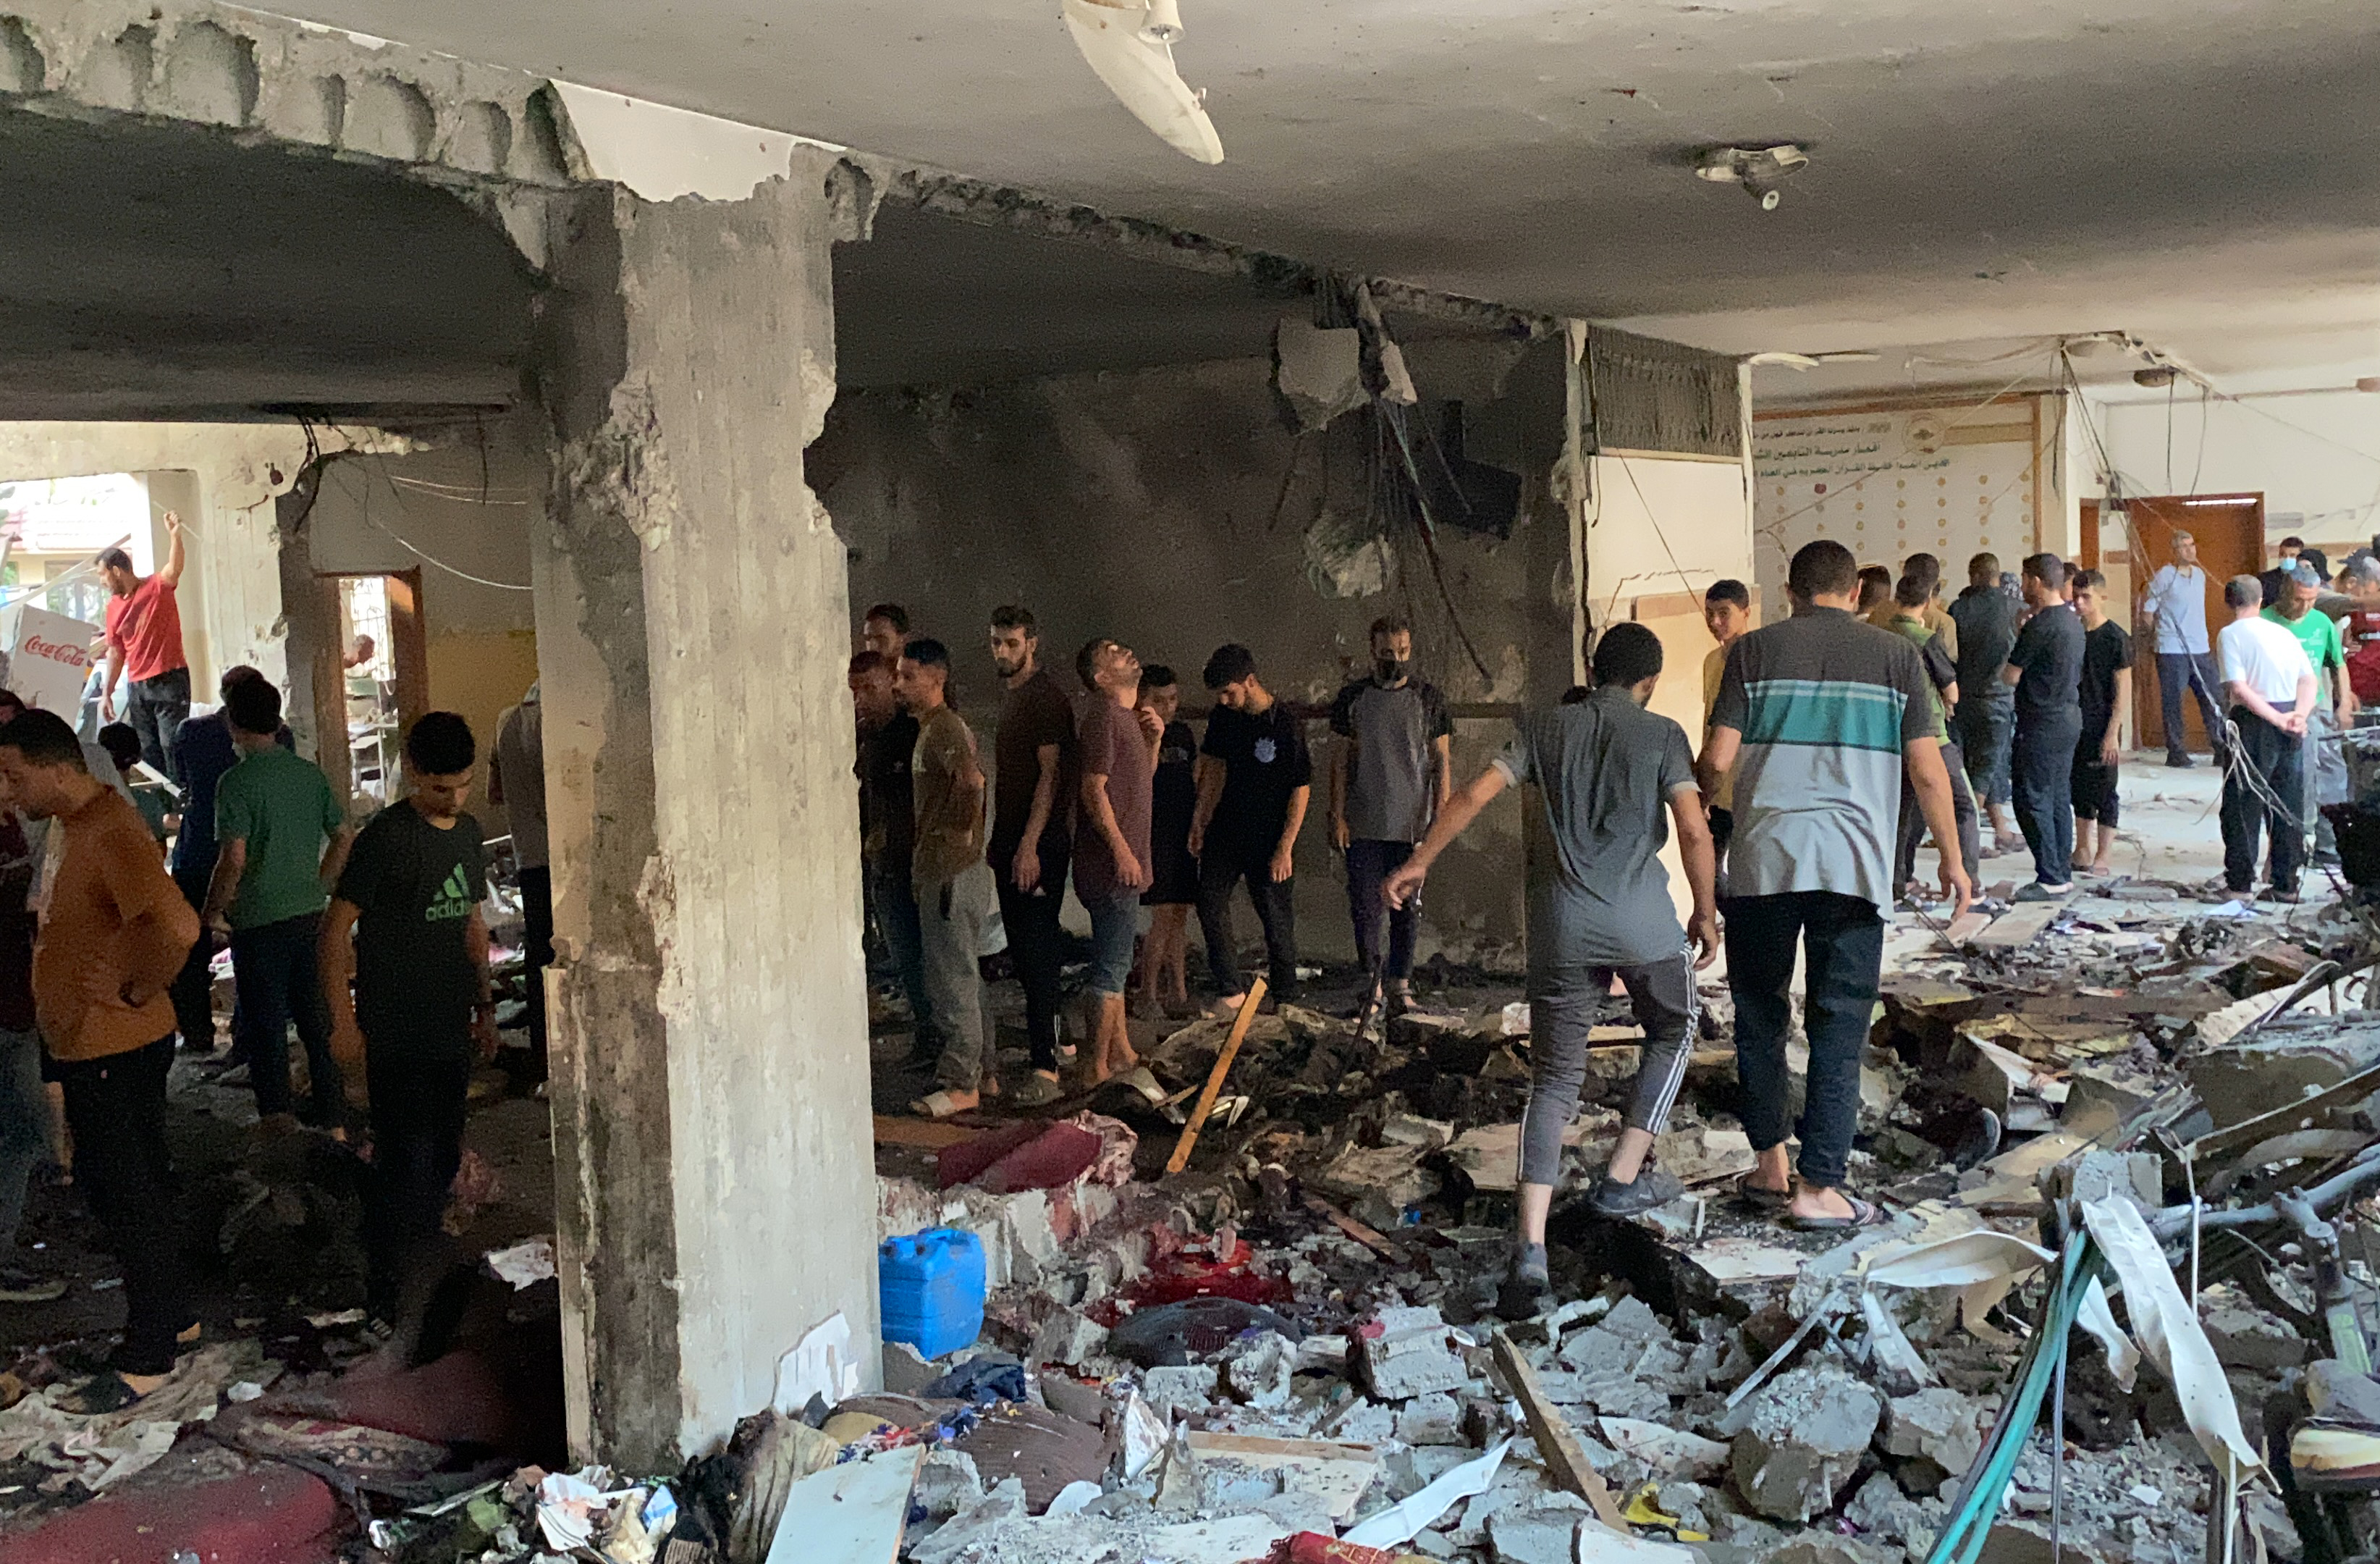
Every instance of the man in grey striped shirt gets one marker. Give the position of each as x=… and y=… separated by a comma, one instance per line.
x=1610, y=777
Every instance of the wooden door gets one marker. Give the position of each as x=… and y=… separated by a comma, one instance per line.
x=2229, y=530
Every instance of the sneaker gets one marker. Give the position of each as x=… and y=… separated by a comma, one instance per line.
x=1651, y=1188
x=2181, y=762
x=2036, y=891
x=18, y=1285
x=1528, y=1289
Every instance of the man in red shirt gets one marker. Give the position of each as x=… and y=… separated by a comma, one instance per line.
x=144, y=648
x=2360, y=579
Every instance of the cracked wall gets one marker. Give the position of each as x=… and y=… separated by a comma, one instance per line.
x=1173, y=508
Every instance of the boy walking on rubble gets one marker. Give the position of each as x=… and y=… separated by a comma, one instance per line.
x=405, y=921
x=1605, y=770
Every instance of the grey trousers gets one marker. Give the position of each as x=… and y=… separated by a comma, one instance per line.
x=1562, y=1006
x=950, y=928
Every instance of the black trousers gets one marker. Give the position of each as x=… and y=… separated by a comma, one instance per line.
x=117, y=1108
x=418, y=1090
x=155, y=707
x=193, y=988
x=273, y=972
x=1841, y=939
x=2279, y=759
x=537, y=915
x=2043, y=783
x=1036, y=945
x=1219, y=873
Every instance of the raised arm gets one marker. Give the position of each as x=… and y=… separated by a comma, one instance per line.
x=171, y=574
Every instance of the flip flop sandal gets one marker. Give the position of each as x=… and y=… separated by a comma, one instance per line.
x=1750, y=1194
x=1038, y=1091
x=937, y=1105
x=1863, y=1215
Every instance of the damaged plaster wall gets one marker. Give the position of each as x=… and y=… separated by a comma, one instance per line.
x=1174, y=509
x=471, y=516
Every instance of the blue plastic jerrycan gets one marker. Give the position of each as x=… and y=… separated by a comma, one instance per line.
x=932, y=1289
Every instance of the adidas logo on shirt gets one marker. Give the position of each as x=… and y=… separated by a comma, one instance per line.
x=454, y=899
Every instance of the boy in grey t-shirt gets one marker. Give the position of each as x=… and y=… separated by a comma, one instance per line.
x=1605, y=770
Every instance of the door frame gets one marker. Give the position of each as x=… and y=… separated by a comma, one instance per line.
x=2239, y=554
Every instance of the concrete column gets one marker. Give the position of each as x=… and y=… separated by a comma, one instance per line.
x=314, y=698
x=713, y=1161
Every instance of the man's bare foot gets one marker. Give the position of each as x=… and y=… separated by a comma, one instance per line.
x=946, y=1104
x=2101, y=870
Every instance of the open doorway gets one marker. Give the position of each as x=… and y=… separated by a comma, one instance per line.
x=2230, y=534
x=385, y=674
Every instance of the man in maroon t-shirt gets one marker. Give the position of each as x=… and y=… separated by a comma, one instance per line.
x=144, y=648
x=1117, y=740
x=2360, y=579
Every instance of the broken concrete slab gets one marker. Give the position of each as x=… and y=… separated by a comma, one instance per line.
x=1669, y=1452
x=1066, y=1338
x=1338, y=1474
x=1937, y=1426
x=1262, y=1372
x=1405, y=1353
x=1800, y=1438
x=2291, y=1059
x=1180, y=1387
x=2247, y=1337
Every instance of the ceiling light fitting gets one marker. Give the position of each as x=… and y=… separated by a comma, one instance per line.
x=1758, y=169
x=1130, y=47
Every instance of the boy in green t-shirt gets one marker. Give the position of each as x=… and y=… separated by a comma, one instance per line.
x=1910, y=596
x=284, y=837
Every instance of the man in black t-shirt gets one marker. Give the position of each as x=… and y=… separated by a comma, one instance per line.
x=406, y=922
x=1034, y=783
x=2106, y=704
x=1255, y=779
x=2046, y=666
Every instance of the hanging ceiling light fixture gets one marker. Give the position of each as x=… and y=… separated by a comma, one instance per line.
x=1130, y=47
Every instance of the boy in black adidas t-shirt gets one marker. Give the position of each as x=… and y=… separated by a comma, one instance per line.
x=421, y=1012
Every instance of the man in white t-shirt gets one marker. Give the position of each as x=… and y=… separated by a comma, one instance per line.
x=2269, y=682
x=2176, y=602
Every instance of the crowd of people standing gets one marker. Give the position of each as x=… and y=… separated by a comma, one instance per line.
x=370, y=942
x=1834, y=740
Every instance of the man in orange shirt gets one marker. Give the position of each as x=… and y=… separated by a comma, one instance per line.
x=114, y=931
x=144, y=648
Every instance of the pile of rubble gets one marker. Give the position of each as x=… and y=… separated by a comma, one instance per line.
x=2121, y=1313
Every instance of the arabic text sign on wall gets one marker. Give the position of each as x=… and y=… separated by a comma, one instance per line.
x=1890, y=484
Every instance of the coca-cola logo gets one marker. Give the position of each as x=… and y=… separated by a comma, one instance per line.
x=56, y=650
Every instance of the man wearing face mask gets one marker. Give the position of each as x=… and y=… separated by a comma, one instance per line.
x=1390, y=774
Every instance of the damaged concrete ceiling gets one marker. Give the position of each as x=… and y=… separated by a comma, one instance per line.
x=2200, y=172
x=147, y=271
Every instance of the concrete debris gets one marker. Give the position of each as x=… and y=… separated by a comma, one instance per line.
x=1260, y=1372
x=1801, y=1439
x=1940, y=1432
x=1670, y=1452
x=1405, y=1353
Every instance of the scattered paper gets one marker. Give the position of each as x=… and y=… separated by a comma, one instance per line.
x=1400, y=1522
x=525, y=1263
